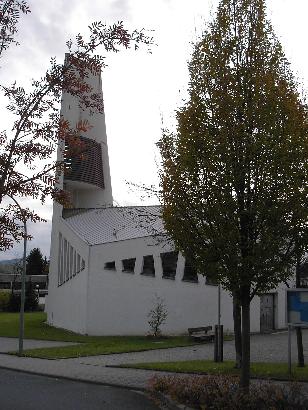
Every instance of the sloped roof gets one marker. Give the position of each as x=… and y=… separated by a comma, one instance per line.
x=104, y=225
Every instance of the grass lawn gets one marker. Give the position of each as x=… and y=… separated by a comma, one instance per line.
x=36, y=328
x=262, y=370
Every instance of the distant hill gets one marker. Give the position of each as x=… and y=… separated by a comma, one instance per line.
x=7, y=265
x=9, y=261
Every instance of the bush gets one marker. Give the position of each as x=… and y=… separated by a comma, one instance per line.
x=223, y=392
x=14, y=302
x=31, y=299
x=157, y=316
x=4, y=299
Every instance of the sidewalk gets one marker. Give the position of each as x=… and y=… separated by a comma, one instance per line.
x=10, y=344
x=74, y=370
x=264, y=348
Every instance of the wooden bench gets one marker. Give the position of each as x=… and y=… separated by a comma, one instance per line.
x=203, y=333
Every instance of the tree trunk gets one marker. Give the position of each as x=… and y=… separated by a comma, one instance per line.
x=300, y=350
x=237, y=320
x=245, y=369
x=299, y=336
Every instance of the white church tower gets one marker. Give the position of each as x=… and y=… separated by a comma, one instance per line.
x=87, y=177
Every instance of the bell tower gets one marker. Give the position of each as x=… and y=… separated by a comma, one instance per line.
x=87, y=176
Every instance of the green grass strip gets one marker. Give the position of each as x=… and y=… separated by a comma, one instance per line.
x=108, y=345
x=262, y=370
x=36, y=328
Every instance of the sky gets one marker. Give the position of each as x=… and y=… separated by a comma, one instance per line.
x=141, y=90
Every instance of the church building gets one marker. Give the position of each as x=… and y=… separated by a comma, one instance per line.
x=108, y=266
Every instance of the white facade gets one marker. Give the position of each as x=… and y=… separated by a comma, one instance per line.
x=89, y=292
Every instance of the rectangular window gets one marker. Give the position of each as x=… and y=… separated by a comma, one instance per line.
x=65, y=257
x=71, y=263
x=190, y=273
x=128, y=265
x=78, y=263
x=211, y=281
x=169, y=262
x=148, y=266
x=74, y=264
x=110, y=266
x=83, y=265
x=60, y=260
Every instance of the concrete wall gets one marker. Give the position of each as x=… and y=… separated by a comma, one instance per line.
x=66, y=305
x=119, y=302
x=98, y=301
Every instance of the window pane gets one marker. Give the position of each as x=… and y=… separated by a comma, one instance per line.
x=65, y=260
x=148, y=266
x=190, y=273
x=74, y=266
x=60, y=260
x=78, y=263
x=211, y=281
x=110, y=265
x=71, y=262
x=129, y=265
x=169, y=263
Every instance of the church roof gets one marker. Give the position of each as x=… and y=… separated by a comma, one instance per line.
x=104, y=225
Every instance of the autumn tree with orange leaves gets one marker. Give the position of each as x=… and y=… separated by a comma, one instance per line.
x=26, y=170
x=234, y=177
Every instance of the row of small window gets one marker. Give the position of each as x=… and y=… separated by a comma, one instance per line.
x=70, y=263
x=169, y=264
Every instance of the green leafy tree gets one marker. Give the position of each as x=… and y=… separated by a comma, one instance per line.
x=234, y=173
x=36, y=264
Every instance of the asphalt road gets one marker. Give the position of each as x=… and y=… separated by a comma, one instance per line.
x=22, y=391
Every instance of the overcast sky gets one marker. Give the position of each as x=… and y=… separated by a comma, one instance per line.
x=141, y=90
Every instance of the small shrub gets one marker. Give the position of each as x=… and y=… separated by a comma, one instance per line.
x=223, y=392
x=157, y=316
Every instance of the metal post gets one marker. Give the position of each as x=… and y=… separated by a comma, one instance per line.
x=216, y=358
x=23, y=283
x=289, y=351
x=219, y=303
x=219, y=347
x=221, y=344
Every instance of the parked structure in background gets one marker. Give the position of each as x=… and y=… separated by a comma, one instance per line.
x=13, y=281
x=108, y=263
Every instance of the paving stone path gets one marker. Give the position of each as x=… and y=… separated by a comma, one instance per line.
x=10, y=344
x=265, y=348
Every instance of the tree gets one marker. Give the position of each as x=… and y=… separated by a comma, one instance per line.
x=234, y=172
x=35, y=262
x=32, y=298
x=157, y=316
x=26, y=170
x=9, y=15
